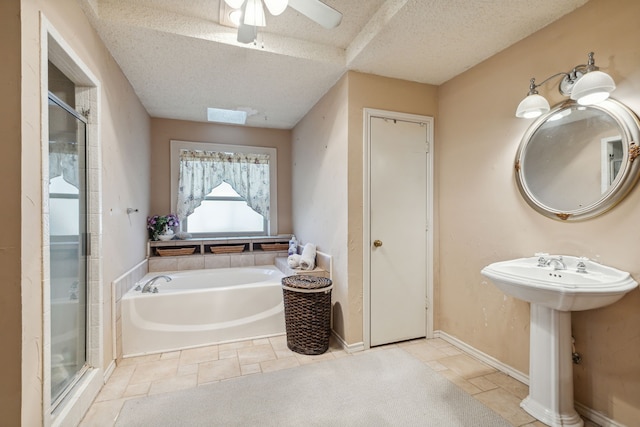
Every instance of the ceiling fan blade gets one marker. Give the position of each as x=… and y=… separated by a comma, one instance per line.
x=246, y=33
x=317, y=11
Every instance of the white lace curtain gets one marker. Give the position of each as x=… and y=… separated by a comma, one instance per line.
x=202, y=171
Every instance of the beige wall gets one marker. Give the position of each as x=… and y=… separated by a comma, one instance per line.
x=319, y=176
x=164, y=130
x=10, y=171
x=484, y=219
x=328, y=176
x=124, y=138
x=369, y=91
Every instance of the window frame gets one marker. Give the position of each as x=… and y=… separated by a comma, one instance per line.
x=177, y=145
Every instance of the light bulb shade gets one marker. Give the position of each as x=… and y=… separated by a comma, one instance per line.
x=532, y=106
x=592, y=88
x=254, y=14
x=234, y=4
x=235, y=17
x=276, y=7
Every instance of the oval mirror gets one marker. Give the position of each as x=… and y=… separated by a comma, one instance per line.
x=576, y=161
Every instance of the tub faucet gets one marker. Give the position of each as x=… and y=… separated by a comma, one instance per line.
x=557, y=263
x=147, y=286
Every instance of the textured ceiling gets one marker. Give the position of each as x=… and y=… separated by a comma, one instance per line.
x=181, y=60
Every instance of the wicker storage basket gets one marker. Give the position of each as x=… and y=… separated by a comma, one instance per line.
x=274, y=246
x=233, y=249
x=307, y=313
x=175, y=251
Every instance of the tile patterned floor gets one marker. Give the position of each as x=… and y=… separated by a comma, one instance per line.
x=180, y=370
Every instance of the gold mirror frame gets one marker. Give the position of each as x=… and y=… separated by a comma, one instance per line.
x=624, y=180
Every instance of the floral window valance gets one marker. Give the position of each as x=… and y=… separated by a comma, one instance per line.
x=202, y=171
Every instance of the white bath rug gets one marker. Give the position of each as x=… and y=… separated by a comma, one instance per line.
x=380, y=388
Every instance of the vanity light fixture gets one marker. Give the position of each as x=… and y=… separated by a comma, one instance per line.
x=584, y=84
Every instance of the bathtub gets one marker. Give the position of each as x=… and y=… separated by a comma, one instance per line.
x=202, y=307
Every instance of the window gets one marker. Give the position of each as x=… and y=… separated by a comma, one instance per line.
x=222, y=210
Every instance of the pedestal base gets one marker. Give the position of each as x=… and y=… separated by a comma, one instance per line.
x=550, y=397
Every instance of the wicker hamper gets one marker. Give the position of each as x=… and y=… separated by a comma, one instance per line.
x=307, y=313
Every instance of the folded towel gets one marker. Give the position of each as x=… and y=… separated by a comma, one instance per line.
x=308, y=257
x=293, y=261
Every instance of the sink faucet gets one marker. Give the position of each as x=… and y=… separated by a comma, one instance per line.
x=147, y=286
x=557, y=263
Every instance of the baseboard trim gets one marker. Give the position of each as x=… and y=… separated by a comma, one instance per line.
x=586, y=412
x=109, y=370
x=489, y=360
x=595, y=416
x=349, y=348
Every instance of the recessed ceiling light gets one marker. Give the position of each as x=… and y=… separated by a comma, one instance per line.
x=226, y=116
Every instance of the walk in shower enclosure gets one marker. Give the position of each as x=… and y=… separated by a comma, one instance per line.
x=68, y=242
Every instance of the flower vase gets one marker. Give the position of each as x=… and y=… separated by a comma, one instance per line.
x=167, y=235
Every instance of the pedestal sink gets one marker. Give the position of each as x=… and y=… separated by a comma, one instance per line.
x=555, y=286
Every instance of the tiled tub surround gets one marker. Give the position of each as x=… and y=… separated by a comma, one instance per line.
x=119, y=287
x=203, y=258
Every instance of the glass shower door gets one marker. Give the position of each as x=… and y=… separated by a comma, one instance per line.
x=68, y=245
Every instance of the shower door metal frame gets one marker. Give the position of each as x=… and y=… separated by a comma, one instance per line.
x=85, y=248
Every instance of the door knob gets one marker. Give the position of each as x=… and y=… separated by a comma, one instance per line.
x=377, y=243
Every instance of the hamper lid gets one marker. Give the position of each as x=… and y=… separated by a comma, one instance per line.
x=306, y=282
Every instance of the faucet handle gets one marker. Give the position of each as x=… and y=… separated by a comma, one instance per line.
x=581, y=267
x=542, y=260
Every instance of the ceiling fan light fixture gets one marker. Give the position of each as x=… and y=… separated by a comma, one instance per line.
x=276, y=7
x=234, y=4
x=235, y=17
x=254, y=14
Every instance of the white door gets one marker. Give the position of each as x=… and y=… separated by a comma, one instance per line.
x=398, y=234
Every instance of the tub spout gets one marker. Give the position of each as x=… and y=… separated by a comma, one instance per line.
x=148, y=286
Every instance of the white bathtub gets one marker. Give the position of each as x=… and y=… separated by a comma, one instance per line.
x=202, y=307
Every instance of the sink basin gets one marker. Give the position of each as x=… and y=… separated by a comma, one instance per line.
x=563, y=290
x=553, y=293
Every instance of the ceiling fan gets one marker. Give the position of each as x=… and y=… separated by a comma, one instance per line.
x=252, y=14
